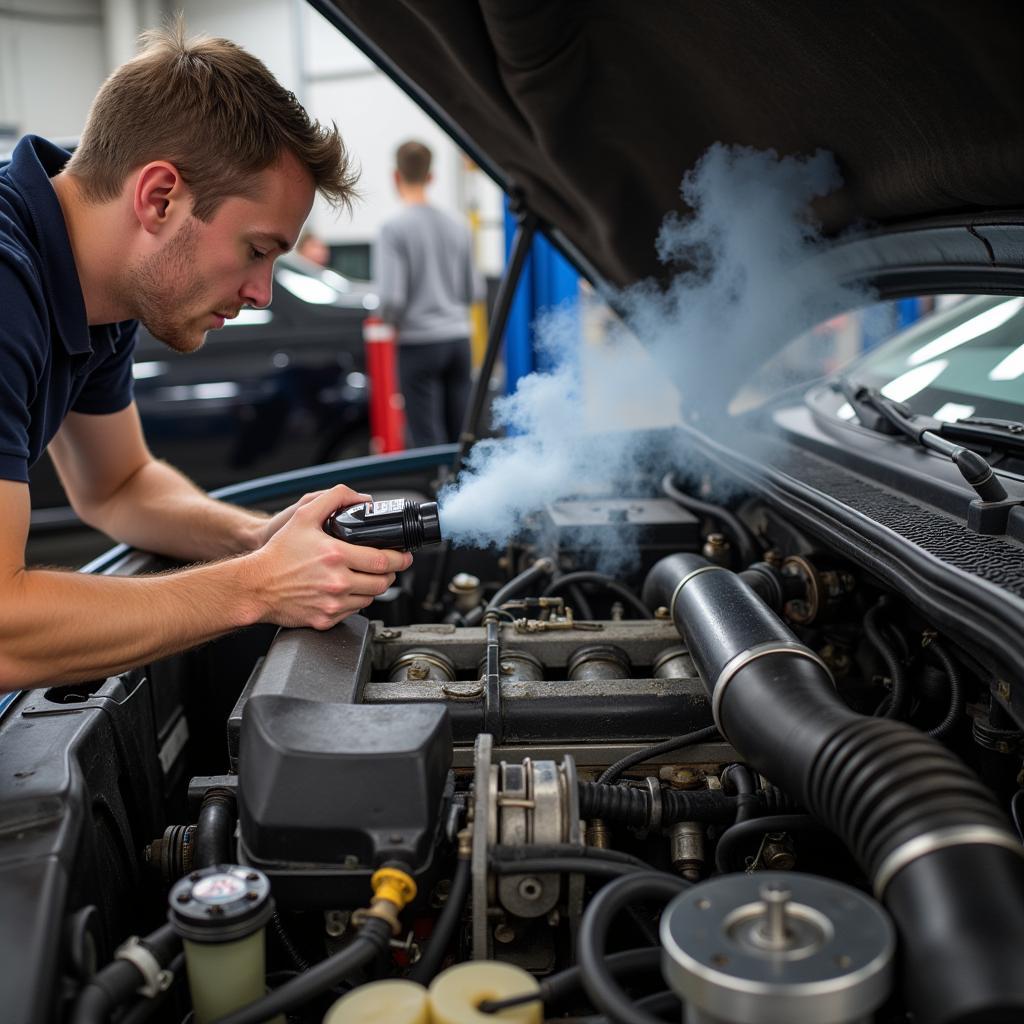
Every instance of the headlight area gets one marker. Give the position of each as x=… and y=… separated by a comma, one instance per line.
x=725, y=771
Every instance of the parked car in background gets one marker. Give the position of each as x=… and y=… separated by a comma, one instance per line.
x=274, y=389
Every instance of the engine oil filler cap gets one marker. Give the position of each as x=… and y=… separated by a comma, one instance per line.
x=777, y=948
x=221, y=903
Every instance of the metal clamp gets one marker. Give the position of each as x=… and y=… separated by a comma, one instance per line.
x=941, y=839
x=155, y=978
x=744, y=658
x=686, y=579
x=654, y=789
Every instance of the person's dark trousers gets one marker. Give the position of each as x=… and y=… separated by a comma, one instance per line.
x=435, y=380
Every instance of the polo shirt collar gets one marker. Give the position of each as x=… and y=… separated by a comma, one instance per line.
x=33, y=163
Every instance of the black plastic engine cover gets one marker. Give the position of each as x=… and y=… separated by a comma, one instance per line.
x=349, y=785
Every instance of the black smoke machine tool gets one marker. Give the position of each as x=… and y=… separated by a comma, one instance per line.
x=400, y=524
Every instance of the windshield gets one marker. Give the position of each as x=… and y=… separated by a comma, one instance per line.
x=963, y=360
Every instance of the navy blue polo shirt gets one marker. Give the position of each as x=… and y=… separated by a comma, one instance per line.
x=51, y=360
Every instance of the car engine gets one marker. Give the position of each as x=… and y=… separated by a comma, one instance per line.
x=734, y=775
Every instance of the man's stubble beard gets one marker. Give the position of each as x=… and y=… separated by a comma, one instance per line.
x=165, y=291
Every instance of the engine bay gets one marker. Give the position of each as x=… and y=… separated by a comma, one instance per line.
x=733, y=773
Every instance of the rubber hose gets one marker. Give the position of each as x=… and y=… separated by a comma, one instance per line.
x=144, y=1009
x=564, y=983
x=541, y=568
x=216, y=826
x=513, y=854
x=742, y=537
x=631, y=806
x=598, y=982
x=956, y=693
x=735, y=836
x=742, y=780
x=663, y=1003
x=601, y=580
x=581, y=865
x=369, y=943
x=290, y=948
x=914, y=816
x=441, y=937
x=115, y=985
x=613, y=771
x=900, y=690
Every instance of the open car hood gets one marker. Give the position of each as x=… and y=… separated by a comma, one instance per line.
x=595, y=110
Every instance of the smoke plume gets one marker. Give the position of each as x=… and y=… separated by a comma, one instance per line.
x=744, y=276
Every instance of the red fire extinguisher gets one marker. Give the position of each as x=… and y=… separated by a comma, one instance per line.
x=387, y=406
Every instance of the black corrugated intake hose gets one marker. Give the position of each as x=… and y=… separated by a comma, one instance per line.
x=118, y=982
x=923, y=828
x=215, y=828
x=630, y=806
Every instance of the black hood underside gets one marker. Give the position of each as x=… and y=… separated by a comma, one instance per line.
x=595, y=109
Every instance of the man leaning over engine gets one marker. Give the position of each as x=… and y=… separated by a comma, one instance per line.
x=196, y=169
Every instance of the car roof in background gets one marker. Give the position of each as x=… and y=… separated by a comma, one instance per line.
x=596, y=109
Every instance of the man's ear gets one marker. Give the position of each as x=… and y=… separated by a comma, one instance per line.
x=161, y=200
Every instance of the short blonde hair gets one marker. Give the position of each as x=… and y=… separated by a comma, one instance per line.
x=211, y=109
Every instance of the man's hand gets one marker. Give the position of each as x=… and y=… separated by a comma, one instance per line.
x=301, y=576
x=268, y=528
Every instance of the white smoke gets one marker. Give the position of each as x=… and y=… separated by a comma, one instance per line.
x=744, y=277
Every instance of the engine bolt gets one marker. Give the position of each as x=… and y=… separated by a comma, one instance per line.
x=504, y=933
x=530, y=888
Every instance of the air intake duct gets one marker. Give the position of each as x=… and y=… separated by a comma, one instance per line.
x=924, y=829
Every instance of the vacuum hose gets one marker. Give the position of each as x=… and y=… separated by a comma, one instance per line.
x=923, y=828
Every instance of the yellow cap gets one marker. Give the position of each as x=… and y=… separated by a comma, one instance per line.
x=394, y=1001
x=393, y=885
x=456, y=993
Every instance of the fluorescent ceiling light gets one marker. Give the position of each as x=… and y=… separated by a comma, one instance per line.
x=309, y=289
x=1009, y=368
x=250, y=317
x=978, y=325
x=953, y=411
x=142, y=371
x=908, y=384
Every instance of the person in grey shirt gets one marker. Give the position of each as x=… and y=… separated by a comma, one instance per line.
x=427, y=283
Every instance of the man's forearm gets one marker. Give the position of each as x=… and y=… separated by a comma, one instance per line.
x=69, y=627
x=160, y=510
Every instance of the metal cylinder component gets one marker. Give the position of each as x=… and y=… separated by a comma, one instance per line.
x=467, y=591
x=598, y=835
x=531, y=801
x=687, y=839
x=171, y=854
x=599, y=661
x=673, y=663
x=774, y=948
x=220, y=913
x=416, y=666
x=516, y=666
x=717, y=549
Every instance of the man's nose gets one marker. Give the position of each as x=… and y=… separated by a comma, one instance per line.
x=258, y=288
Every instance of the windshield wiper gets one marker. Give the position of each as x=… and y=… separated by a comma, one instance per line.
x=876, y=412
x=1002, y=435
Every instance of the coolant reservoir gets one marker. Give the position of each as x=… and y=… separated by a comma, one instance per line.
x=456, y=993
x=220, y=913
x=394, y=1000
